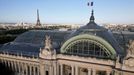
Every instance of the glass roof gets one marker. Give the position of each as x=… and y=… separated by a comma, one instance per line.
x=30, y=42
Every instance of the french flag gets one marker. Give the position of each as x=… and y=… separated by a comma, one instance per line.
x=90, y=4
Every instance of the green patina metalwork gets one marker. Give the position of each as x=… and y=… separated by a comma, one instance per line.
x=109, y=49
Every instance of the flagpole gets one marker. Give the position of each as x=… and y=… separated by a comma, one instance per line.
x=90, y=4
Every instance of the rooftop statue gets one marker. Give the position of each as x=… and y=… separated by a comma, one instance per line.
x=130, y=54
x=48, y=43
x=130, y=50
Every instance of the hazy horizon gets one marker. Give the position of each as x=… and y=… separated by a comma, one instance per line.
x=67, y=11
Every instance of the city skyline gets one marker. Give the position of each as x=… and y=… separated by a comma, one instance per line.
x=62, y=11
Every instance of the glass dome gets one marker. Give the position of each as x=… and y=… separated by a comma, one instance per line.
x=93, y=32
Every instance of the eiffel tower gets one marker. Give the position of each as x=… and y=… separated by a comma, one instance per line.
x=38, y=20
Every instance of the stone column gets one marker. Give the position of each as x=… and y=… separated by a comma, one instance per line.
x=26, y=71
x=30, y=70
x=4, y=62
x=55, y=68
x=58, y=69
x=34, y=72
x=22, y=68
x=8, y=64
x=38, y=71
x=76, y=70
x=89, y=71
x=61, y=69
x=72, y=70
x=51, y=71
x=42, y=69
x=94, y=72
x=15, y=67
x=18, y=65
x=12, y=64
x=108, y=72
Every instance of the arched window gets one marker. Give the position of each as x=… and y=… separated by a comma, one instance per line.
x=87, y=48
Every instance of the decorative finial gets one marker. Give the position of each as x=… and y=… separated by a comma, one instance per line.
x=92, y=16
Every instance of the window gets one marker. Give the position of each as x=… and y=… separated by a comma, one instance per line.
x=87, y=48
x=47, y=73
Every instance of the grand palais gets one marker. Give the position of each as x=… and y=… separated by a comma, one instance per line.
x=89, y=50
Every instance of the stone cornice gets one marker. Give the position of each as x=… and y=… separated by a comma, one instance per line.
x=86, y=59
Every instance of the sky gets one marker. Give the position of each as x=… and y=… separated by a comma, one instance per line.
x=67, y=11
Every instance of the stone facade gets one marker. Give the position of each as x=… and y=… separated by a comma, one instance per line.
x=51, y=63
